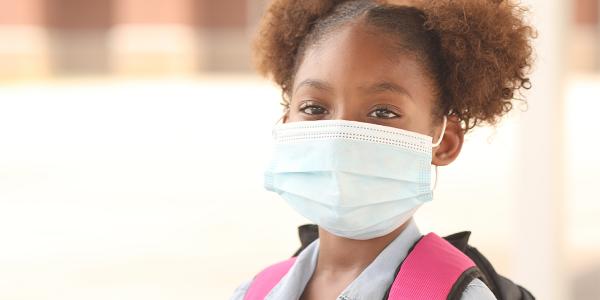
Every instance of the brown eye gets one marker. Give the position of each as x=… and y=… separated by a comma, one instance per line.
x=313, y=109
x=383, y=113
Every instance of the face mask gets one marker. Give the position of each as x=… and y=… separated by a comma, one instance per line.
x=356, y=180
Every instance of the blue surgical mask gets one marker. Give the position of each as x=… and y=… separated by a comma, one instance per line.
x=356, y=180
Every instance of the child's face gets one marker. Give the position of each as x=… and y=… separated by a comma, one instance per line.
x=356, y=74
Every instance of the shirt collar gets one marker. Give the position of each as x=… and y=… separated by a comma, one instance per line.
x=292, y=284
x=372, y=283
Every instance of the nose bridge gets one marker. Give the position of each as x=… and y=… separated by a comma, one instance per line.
x=345, y=109
x=343, y=114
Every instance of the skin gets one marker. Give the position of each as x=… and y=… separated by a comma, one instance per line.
x=357, y=74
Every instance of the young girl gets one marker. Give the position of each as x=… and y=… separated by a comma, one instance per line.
x=375, y=94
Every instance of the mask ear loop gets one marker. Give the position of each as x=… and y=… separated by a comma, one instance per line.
x=285, y=111
x=441, y=135
x=436, y=145
x=436, y=178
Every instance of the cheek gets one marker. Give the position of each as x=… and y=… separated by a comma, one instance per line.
x=420, y=120
x=292, y=117
x=292, y=114
x=424, y=112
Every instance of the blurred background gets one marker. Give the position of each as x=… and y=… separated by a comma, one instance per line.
x=134, y=135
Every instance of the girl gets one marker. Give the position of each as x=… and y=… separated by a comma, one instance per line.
x=375, y=93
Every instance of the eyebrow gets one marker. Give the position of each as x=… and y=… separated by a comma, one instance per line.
x=317, y=84
x=379, y=87
x=386, y=86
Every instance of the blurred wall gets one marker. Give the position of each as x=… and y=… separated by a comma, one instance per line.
x=131, y=37
x=24, y=46
x=584, y=40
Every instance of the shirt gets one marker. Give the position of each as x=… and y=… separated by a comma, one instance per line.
x=371, y=284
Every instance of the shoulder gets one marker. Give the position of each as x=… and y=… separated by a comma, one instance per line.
x=241, y=290
x=477, y=290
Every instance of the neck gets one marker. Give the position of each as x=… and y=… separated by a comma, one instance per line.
x=339, y=254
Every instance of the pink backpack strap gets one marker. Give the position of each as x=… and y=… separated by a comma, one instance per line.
x=267, y=279
x=430, y=270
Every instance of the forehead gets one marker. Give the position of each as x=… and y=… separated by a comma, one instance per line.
x=356, y=53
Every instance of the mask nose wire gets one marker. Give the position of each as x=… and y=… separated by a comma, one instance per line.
x=441, y=135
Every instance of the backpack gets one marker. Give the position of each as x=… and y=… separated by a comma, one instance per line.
x=435, y=268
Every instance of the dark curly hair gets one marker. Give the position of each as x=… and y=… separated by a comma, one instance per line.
x=477, y=51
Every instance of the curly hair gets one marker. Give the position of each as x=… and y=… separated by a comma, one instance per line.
x=478, y=52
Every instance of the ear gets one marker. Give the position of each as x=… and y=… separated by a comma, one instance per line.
x=451, y=145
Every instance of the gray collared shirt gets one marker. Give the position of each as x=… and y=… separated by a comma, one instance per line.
x=371, y=284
